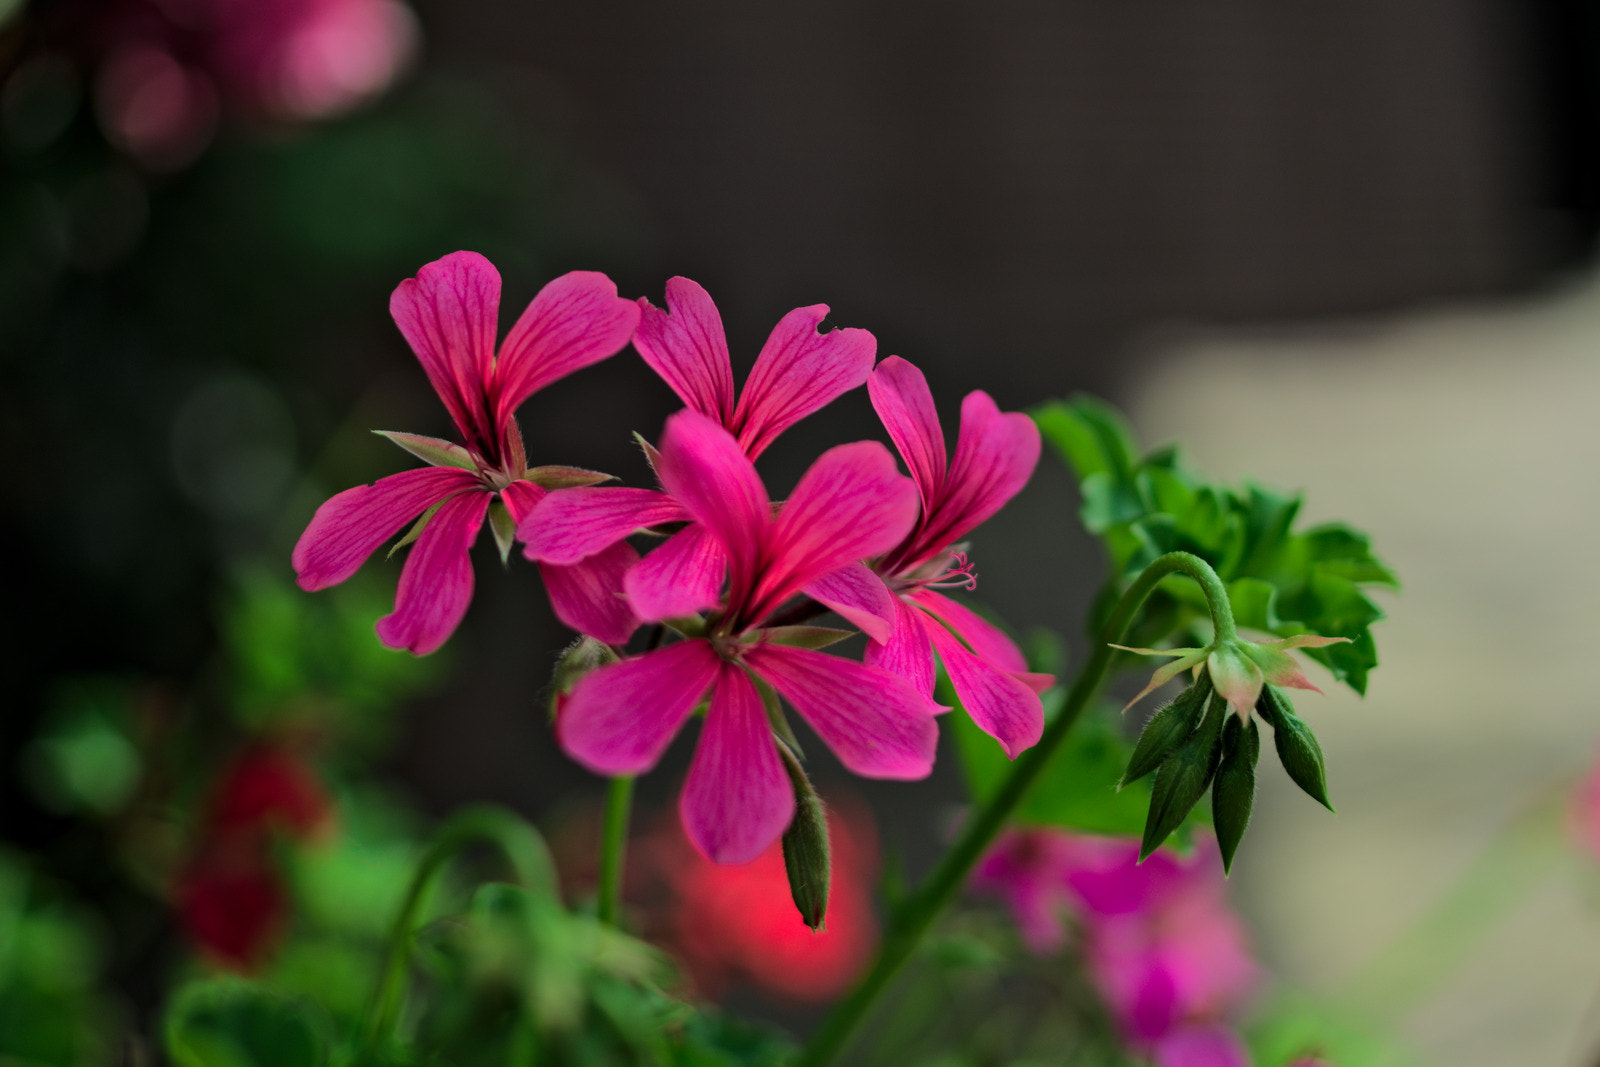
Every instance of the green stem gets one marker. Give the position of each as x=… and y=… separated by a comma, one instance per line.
x=917, y=913
x=614, y=842
x=524, y=850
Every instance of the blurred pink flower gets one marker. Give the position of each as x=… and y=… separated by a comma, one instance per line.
x=1159, y=939
x=995, y=455
x=448, y=313
x=1585, y=812
x=1200, y=1046
x=620, y=718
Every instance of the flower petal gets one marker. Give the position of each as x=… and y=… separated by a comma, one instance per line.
x=588, y=595
x=853, y=503
x=449, y=314
x=350, y=526
x=686, y=346
x=1236, y=678
x=574, y=321
x=857, y=593
x=738, y=799
x=902, y=400
x=572, y=524
x=798, y=372
x=982, y=636
x=1002, y=706
x=875, y=722
x=908, y=652
x=620, y=718
x=520, y=498
x=704, y=469
x=681, y=577
x=995, y=455
x=436, y=583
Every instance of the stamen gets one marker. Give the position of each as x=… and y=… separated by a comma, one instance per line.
x=961, y=575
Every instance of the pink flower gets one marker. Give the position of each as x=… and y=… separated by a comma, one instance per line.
x=799, y=371
x=1200, y=1046
x=1161, y=944
x=448, y=314
x=995, y=455
x=1585, y=813
x=619, y=719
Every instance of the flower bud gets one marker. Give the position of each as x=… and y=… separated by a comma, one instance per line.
x=1166, y=729
x=1183, y=779
x=1297, y=746
x=1233, y=793
x=806, y=855
x=582, y=656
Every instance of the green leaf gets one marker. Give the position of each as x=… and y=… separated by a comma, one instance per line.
x=1183, y=779
x=1167, y=728
x=229, y=1022
x=1233, y=793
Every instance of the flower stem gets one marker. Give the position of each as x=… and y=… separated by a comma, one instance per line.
x=917, y=913
x=614, y=842
x=523, y=849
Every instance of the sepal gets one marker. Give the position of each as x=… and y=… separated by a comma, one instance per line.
x=433, y=450
x=1233, y=793
x=553, y=477
x=416, y=529
x=1183, y=779
x=504, y=527
x=813, y=637
x=582, y=656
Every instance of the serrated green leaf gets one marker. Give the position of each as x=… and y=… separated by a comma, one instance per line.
x=1233, y=793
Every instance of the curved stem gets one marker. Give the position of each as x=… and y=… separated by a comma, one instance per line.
x=523, y=849
x=614, y=841
x=912, y=919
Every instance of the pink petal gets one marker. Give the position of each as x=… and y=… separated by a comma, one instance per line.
x=620, y=718
x=704, y=469
x=448, y=313
x=588, y=595
x=1236, y=679
x=852, y=504
x=1003, y=707
x=686, y=346
x=520, y=497
x=908, y=652
x=901, y=398
x=572, y=524
x=436, y=583
x=1201, y=1046
x=574, y=321
x=876, y=723
x=858, y=594
x=738, y=798
x=995, y=455
x=681, y=577
x=982, y=636
x=798, y=372
x=349, y=527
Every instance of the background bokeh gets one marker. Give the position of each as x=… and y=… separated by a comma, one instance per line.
x=1341, y=251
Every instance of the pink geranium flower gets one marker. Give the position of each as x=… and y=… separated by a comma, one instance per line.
x=799, y=371
x=995, y=455
x=619, y=719
x=448, y=313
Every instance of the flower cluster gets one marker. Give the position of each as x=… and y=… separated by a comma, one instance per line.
x=734, y=574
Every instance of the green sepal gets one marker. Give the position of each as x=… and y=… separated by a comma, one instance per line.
x=1167, y=728
x=812, y=637
x=807, y=858
x=1233, y=793
x=1297, y=746
x=1183, y=778
x=565, y=477
x=504, y=527
x=651, y=455
x=775, y=716
x=415, y=531
x=434, y=450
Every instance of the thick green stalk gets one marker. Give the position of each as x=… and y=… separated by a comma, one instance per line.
x=524, y=850
x=614, y=842
x=917, y=913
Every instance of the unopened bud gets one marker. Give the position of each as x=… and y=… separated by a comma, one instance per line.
x=1297, y=746
x=1233, y=793
x=582, y=656
x=1183, y=779
x=1167, y=728
x=806, y=855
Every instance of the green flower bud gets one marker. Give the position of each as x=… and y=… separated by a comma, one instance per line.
x=1233, y=793
x=806, y=855
x=1166, y=729
x=1183, y=778
x=582, y=656
x=1297, y=746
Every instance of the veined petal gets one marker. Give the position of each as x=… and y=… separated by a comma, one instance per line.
x=687, y=347
x=1235, y=678
x=682, y=576
x=436, y=582
x=875, y=722
x=853, y=503
x=857, y=593
x=908, y=652
x=1002, y=706
x=798, y=372
x=620, y=718
x=982, y=636
x=449, y=314
x=588, y=595
x=350, y=526
x=520, y=498
x=995, y=455
x=574, y=321
x=902, y=400
x=704, y=469
x=737, y=799
x=572, y=524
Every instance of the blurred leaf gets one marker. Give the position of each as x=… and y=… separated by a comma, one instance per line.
x=230, y=1022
